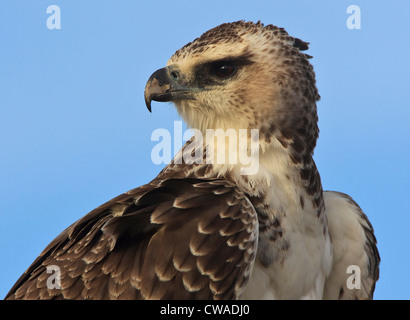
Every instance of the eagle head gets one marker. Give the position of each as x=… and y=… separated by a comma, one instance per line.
x=244, y=75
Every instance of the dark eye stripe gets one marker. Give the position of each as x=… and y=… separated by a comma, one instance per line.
x=213, y=72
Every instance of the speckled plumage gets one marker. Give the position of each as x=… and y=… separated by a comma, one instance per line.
x=206, y=231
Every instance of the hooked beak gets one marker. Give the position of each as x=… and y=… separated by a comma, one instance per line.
x=166, y=84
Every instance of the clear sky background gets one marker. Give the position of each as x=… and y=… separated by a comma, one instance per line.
x=74, y=130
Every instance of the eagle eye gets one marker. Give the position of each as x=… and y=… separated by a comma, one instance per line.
x=223, y=69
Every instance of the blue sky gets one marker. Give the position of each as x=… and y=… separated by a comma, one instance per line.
x=74, y=130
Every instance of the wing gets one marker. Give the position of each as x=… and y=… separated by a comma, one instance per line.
x=170, y=239
x=354, y=244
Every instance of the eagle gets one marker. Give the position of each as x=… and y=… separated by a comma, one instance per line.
x=210, y=230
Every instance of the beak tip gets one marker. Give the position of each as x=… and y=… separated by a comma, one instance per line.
x=157, y=87
x=148, y=104
x=147, y=98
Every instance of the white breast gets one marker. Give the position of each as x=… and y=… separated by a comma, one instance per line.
x=299, y=269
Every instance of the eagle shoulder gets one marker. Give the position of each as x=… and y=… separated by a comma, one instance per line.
x=354, y=245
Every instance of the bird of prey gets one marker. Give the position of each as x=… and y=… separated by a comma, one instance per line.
x=206, y=230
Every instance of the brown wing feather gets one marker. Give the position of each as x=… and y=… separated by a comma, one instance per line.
x=170, y=239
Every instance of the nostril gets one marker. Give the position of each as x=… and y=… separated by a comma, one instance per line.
x=175, y=75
